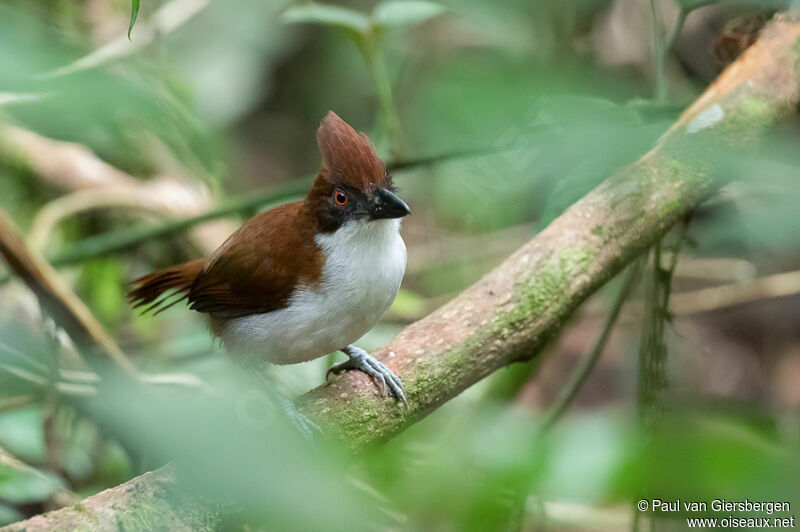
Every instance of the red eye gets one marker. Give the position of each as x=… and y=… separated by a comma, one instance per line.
x=340, y=198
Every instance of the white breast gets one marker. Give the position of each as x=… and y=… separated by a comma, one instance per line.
x=364, y=265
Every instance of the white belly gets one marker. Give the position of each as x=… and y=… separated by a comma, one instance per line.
x=364, y=266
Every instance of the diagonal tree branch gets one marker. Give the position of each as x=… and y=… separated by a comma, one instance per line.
x=148, y=501
x=518, y=307
x=66, y=308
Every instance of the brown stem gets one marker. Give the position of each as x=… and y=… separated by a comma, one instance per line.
x=56, y=297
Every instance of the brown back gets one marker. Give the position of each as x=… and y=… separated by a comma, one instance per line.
x=258, y=267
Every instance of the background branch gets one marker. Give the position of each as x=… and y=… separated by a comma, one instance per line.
x=586, y=364
x=69, y=312
x=56, y=298
x=76, y=168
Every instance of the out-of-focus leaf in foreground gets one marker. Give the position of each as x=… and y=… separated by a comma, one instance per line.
x=235, y=447
x=27, y=485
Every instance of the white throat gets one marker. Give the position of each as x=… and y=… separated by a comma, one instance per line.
x=379, y=239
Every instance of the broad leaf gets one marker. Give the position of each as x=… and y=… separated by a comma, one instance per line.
x=342, y=17
x=405, y=12
x=9, y=515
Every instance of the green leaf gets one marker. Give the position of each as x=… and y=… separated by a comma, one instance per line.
x=28, y=486
x=23, y=434
x=342, y=17
x=9, y=515
x=406, y=12
x=134, y=14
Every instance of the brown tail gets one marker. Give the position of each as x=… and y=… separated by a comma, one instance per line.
x=177, y=279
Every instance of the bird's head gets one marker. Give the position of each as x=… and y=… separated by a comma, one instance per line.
x=353, y=183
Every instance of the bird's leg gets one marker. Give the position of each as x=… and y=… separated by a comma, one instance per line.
x=305, y=426
x=363, y=361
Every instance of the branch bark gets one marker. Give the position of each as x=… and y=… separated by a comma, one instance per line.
x=147, y=502
x=518, y=307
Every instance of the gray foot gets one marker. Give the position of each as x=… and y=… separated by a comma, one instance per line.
x=304, y=426
x=362, y=361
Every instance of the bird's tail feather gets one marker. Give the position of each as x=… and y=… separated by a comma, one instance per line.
x=164, y=288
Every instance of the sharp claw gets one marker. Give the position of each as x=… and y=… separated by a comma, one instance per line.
x=403, y=397
x=305, y=426
x=336, y=369
x=382, y=376
x=328, y=373
x=382, y=381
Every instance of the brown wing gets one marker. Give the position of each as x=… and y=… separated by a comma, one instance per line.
x=257, y=268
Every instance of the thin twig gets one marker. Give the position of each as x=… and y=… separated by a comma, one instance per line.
x=61, y=496
x=16, y=402
x=587, y=363
x=653, y=350
x=735, y=294
x=84, y=200
x=70, y=313
x=126, y=238
x=683, y=12
x=165, y=20
x=659, y=55
x=370, y=48
x=55, y=296
x=77, y=169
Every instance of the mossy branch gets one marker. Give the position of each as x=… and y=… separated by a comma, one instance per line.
x=151, y=501
x=518, y=307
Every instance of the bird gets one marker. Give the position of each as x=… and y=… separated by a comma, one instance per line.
x=307, y=278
